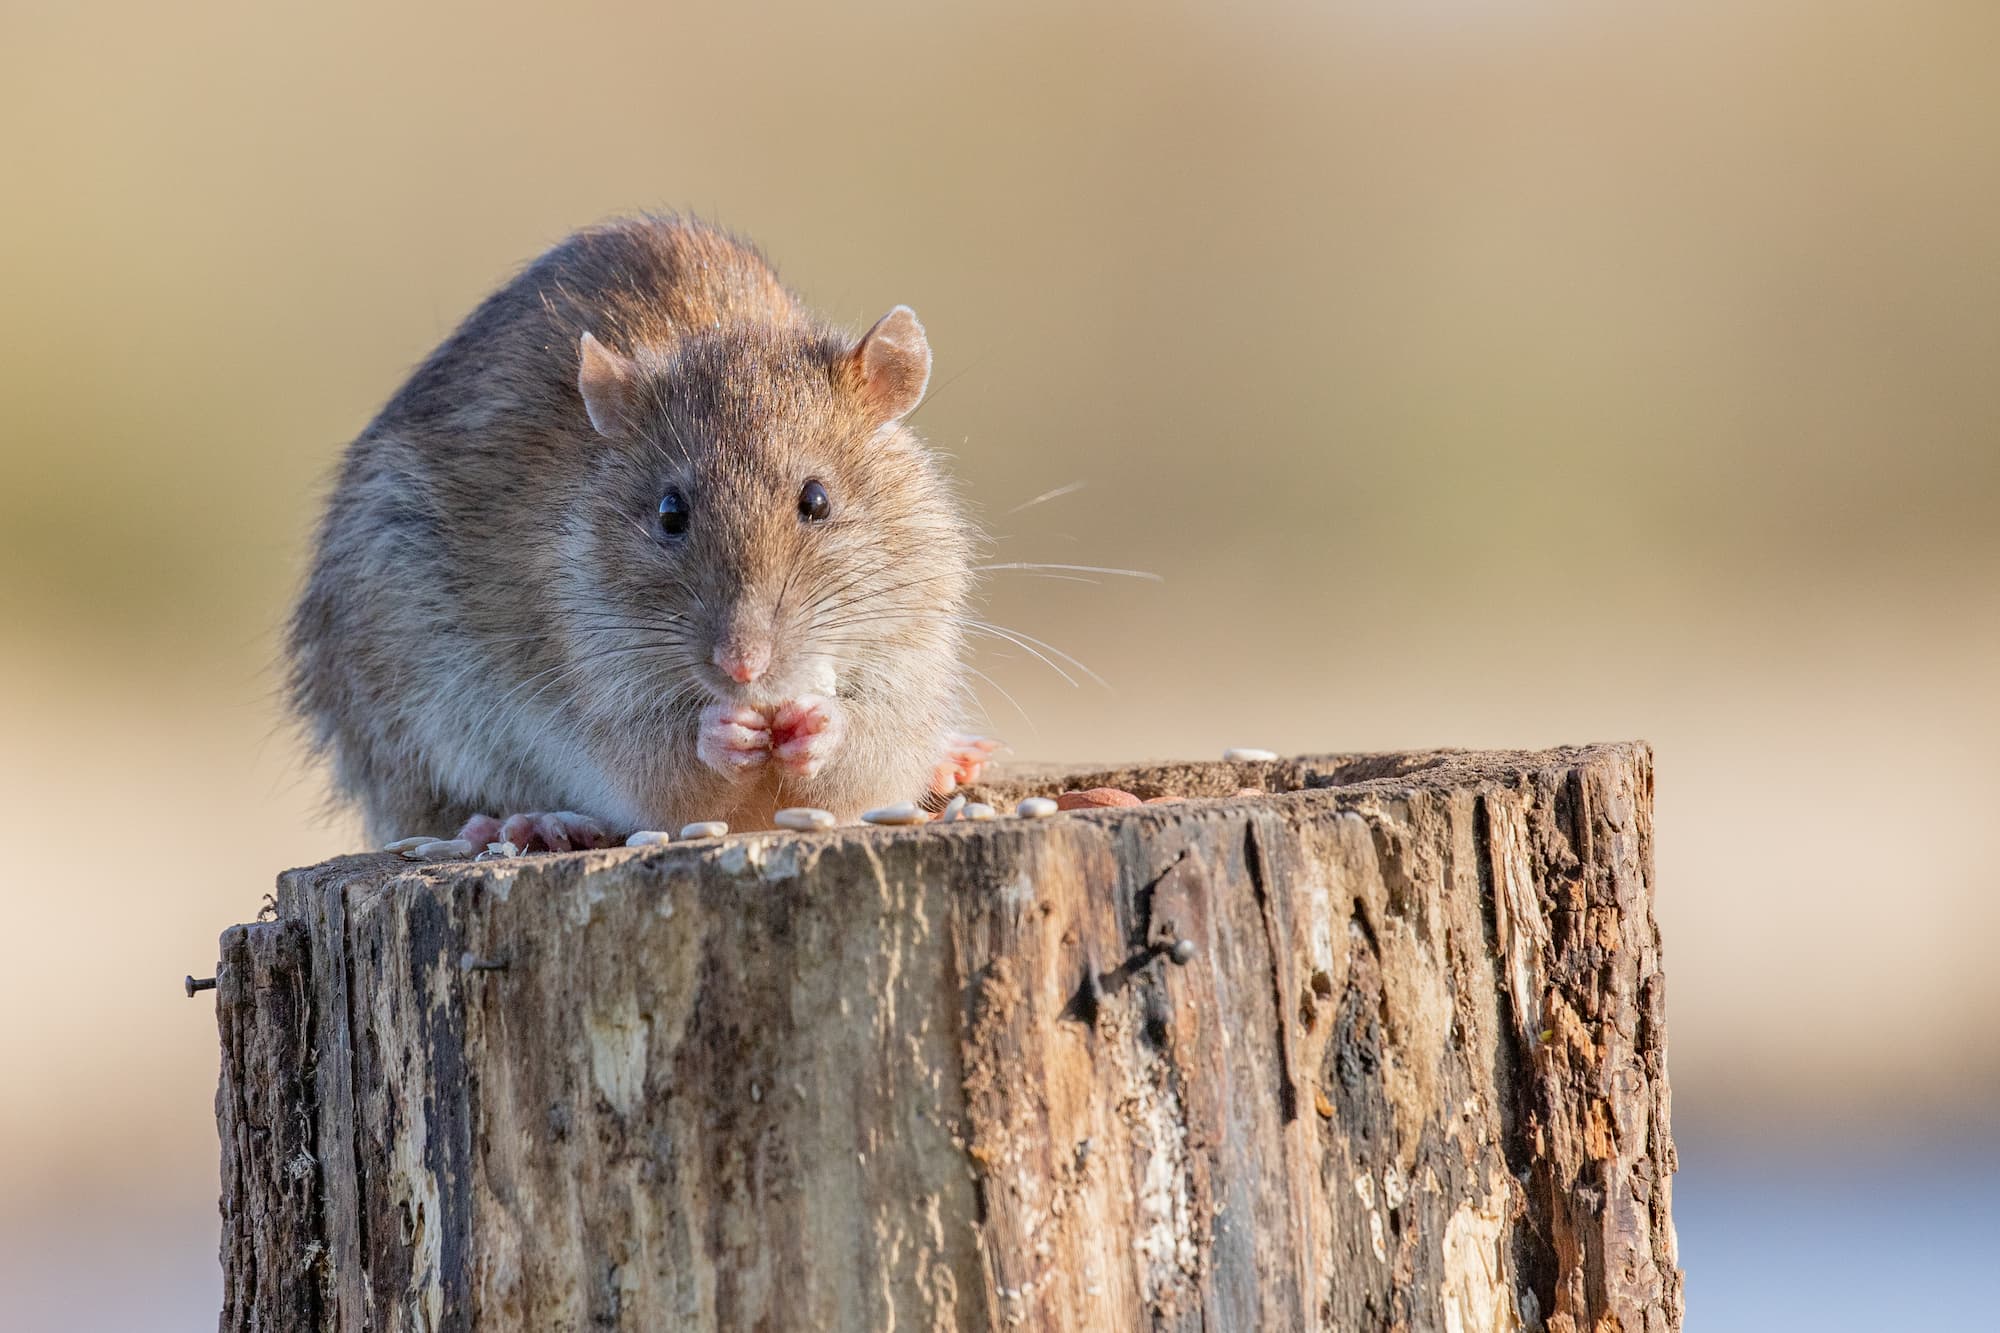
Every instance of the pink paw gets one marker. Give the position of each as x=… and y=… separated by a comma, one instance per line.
x=964, y=759
x=560, y=831
x=805, y=733
x=734, y=738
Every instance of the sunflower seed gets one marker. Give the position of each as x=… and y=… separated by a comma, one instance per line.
x=1244, y=755
x=903, y=812
x=951, y=809
x=804, y=818
x=708, y=828
x=1036, y=807
x=453, y=849
x=651, y=837
x=404, y=844
x=979, y=810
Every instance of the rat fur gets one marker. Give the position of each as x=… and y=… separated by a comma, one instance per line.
x=498, y=624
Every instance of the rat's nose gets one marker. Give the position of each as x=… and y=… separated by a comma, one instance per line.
x=743, y=662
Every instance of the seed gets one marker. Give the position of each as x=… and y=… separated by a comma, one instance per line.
x=651, y=837
x=404, y=844
x=979, y=810
x=951, y=808
x=1097, y=798
x=708, y=828
x=498, y=851
x=453, y=849
x=1245, y=755
x=804, y=818
x=903, y=812
x=1036, y=807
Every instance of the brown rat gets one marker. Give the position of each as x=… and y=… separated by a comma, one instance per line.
x=643, y=542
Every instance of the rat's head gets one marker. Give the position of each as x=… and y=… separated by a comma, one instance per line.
x=763, y=525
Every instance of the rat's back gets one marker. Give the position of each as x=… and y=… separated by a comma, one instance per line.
x=641, y=282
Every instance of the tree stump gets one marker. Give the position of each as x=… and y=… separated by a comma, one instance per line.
x=1383, y=1048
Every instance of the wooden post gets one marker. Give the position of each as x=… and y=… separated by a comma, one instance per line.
x=1383, y=1050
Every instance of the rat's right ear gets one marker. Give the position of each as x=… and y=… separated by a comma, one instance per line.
x=610, y=387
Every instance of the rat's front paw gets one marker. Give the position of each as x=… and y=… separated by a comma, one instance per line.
x=806, y=733
x=964, y=757
x=734, y=739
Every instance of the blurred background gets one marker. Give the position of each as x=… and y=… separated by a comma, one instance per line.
x=1474, y=372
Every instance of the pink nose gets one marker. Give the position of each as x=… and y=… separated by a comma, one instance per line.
x=743, y=663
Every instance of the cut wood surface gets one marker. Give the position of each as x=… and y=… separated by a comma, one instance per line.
x=1410, y=1075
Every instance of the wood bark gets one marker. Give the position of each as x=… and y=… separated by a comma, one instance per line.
x=1410, y=1075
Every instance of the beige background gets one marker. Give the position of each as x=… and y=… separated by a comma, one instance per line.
x=1473, y=372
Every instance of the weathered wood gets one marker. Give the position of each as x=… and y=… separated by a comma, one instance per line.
x=272, y=1240
x=1411, y=1076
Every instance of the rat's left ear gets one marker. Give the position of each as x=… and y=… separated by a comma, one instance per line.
x=890, y=366
x=610, y=386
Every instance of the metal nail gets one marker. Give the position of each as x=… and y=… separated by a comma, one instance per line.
x=199, y=984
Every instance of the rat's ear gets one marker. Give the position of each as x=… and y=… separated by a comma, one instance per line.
x=610, y=387
x=890, y=366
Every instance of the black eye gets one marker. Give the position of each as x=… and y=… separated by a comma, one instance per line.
x=813, y=504
x=673, y=514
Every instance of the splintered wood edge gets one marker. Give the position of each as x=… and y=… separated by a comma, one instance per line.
x=1007, y=783
x=1442, y=769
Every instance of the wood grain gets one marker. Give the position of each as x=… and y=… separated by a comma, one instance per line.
x=1411, y=1074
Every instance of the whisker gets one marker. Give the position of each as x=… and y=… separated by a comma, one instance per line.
x=1079, y=569
x=1056, y=494
x=1008, y=697
x=1028, y=648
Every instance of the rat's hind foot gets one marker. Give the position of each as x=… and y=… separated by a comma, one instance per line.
x=733, y=738
x=560, y=831
x=806, y=732
x=965, y=757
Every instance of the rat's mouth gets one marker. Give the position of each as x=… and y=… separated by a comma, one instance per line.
x=773, y=688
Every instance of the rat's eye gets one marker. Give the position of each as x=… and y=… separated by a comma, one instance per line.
x=673, y=514
x=813, y=504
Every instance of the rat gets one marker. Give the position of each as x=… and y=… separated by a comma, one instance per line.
x=643, y=542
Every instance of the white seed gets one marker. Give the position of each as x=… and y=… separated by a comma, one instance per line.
x=404, y=844
x=498, y=851
x=903, y=812
x=453, y=849
x=1036, y=807
x=707, y=828
x=979, y=810
x=651, y=837
x=951, y=809
x=1243, y=755
x=804, y=818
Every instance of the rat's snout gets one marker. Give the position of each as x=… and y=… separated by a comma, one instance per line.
x=743, y=658
x=745, y=640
